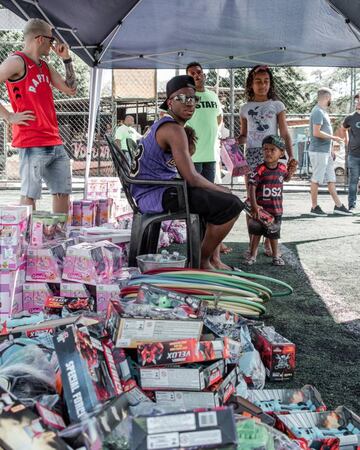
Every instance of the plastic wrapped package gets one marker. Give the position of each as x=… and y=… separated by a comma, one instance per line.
x=254, y=435
x=26, y=371
x=250, y=363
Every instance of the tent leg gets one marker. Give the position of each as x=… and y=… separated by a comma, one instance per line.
x=94, y=102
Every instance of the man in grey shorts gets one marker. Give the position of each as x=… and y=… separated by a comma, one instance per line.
x=321, y=156
x=29, y=80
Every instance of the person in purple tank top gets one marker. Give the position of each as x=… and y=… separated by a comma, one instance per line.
x=163, y=153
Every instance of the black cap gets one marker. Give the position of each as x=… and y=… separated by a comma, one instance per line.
x=176, y=83
x=275, y=140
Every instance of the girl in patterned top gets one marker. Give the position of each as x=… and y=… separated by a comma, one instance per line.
x=262, y=115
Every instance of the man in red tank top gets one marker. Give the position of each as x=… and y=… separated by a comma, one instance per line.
x=29, y=80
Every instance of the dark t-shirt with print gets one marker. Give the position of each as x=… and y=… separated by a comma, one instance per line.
x=269, y=187
x=352, y=123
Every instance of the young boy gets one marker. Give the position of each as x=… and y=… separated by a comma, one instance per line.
x=266, y=187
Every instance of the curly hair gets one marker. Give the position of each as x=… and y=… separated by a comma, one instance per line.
x=192, y=139
x=249, y=82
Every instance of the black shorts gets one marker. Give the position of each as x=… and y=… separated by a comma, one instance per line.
x=257, y=228
x=213, y=207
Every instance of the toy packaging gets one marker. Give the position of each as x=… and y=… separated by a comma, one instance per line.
x=13, y=227
x=46, y=228
x=91, y=433
x=277, y=353
x=243, y=407
x=130, y=332
x=72, y=290
x=182, y=352
x=21, y=428
x=62, y=306
x=186, y=400
x=88, y=371
x=193, y=378
x=163, y=298
x=227, y=386
x=233, y=158
x=327, y=427
x=287, y=400
x=45, y=263
x=87, y=263
x=11, y=291
x=198, y=430
x=35, y=296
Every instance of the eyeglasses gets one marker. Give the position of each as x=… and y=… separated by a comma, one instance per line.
x=186, y=99
x=51, y=39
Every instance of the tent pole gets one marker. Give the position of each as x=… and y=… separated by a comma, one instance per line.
x=94, y=101
x=232, y=101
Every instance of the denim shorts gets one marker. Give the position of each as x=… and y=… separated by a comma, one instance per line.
x=322, y=165
x=49, y=164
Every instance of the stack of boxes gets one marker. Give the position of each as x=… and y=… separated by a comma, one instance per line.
x=13, y=228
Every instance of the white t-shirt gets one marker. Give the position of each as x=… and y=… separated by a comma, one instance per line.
x=261, y=120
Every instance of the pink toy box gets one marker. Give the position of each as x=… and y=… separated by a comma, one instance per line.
x=13, y=227
x=73, y=290
x=84, y=213
x=47, y=228
x=45, y=263
x=11, y=291
x=35, y=295
x=92, y=263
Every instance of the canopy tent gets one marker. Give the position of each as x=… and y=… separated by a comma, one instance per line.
x=217, y=33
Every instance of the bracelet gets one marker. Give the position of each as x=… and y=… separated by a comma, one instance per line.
x=67, y=61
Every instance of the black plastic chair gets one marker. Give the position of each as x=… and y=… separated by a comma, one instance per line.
x=145, y=229
x=131, y=146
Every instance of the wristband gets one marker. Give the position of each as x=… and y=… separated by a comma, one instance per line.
x=67, y=61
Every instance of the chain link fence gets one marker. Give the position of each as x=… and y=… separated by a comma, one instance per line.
x=293, y=88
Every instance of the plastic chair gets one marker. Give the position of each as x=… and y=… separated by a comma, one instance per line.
x=146, y=227
x=131, y=146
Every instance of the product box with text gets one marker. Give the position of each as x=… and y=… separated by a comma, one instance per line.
x=193, y=378
x=276, y=352
x=182, y=352
x=130, y=332
x=198, y=430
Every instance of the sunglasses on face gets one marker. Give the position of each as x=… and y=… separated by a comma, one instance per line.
x=186, y=99
x=51, y=39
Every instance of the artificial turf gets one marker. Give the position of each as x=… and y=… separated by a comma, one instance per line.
x=328, y=354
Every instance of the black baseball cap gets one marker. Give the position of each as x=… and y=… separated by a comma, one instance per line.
x=176, y=83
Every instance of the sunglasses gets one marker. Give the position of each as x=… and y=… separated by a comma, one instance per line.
x=51, y=39
x=186, y=99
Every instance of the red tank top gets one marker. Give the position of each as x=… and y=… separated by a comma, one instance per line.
x=32, y=92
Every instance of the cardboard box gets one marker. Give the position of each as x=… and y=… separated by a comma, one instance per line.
x=277, y=353
x=242, y=406
x=35, y=296
x=45, y=264
x=88, y=371
x=227, y=387
x=184, y=400
x=284, y=401
x=182, y=352
x=198, y=430
x=181, y=378
x=11, y=292
x=321, y=429
x=130, y=332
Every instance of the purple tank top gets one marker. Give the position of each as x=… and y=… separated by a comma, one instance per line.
x=152, y=163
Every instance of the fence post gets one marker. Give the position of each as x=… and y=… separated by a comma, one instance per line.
x=232, y=101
